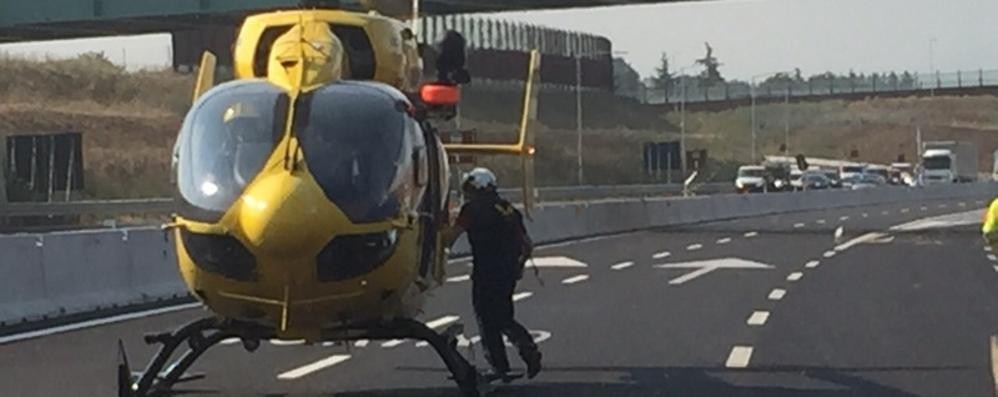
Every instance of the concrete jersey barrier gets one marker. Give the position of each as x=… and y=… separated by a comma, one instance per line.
x=44, y=276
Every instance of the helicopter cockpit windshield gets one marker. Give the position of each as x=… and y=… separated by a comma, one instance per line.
x=224, y=143
x=356, y=137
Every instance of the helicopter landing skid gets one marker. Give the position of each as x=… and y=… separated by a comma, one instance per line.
x=159, y=376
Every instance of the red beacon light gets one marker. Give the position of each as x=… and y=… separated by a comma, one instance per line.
x=440, y=94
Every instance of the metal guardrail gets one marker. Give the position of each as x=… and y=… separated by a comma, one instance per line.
x=152, y=206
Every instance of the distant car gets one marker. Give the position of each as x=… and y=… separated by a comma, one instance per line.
x=795, y=180
x=833, y=178
x=751, y=178
x=863, y=181
x=848, y=171
x=815, y=181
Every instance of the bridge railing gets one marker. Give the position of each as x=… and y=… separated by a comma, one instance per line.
x=831, y=86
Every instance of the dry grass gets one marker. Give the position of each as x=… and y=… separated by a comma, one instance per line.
x=129, y=121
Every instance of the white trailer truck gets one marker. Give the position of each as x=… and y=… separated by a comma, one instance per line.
x=948, y=162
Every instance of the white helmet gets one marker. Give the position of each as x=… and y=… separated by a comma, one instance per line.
x=480, y=178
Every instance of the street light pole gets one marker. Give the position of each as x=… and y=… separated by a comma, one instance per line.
x=752, y=95
x=786, y=121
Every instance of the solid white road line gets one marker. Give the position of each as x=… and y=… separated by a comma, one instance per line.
x=724, y=240
x=622, y=265
x=94, y=323
x=758, y=318
x=739, y=357
x=522, y=295
x=812, y=264
x=795, y=276
x=828, y=254
x=575, y=279
x=798, y=225
x=313, y=367
x=994, y=361
x=660, y=255
x=777, y=294
x=751, y=234
x=694, y=247
x=458, y=279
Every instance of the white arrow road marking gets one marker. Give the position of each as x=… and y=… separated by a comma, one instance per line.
x=965, y=218
x=556, y=262
x=707, y=266
x=866, y=238
x=462, y=341
x=575, y=279
x=739, y=357
x=313, y=367
x=660, y=255
x=622, y=265
x=777, y=294
x=440, y=322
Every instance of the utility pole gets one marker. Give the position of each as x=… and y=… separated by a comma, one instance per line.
x=786, y=121
x=578, y=115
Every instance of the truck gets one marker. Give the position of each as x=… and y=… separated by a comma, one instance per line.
x=948, y=162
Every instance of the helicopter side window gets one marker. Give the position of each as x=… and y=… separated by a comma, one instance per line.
x=360, y=52
x=354, y=138
x=224, y=143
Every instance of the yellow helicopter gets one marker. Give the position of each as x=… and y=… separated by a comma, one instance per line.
x=314, y=193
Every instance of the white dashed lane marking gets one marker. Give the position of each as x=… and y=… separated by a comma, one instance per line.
x=812, y=264
x=361, y=343
x=828, y=254
x=660, y=255
x=798, y=225
x=440, y=322
x=942, y=206
x=844, y=218
x=777, y=294
x=751, y=234
x=313, y=367
x=758, y=318
x=739, y=357
x=865, y=215
x=622, y=265
x=724, y=240
x=458, y=279
x=820, y=221
x=924, y=209
x=795, y=276
x=995, y=267
x=575, y=279
x=694, y=247
x=522, y=295
x=884, y=212
x=987, y=248
x=992, y=257
x=904, y=210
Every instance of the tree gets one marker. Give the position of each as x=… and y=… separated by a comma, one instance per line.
x=664, y=79
x=907, y=80
x=711, y=74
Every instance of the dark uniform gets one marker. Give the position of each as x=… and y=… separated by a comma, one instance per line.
x=499, y=245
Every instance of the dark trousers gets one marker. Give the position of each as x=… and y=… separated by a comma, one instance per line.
x=493, y=303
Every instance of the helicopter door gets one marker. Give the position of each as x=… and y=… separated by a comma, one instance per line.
x=431, y=217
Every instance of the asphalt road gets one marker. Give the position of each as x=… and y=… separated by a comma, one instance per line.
x=766, y=306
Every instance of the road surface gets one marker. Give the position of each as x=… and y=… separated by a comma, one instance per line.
x=765, y=306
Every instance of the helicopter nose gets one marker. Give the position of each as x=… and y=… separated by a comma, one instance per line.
x=282, y=214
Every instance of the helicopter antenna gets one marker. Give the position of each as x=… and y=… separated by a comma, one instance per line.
x=415, y=18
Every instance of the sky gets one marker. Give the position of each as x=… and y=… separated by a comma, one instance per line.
x=750, y=37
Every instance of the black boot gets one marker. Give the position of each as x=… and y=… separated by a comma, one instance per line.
x=532, y=358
